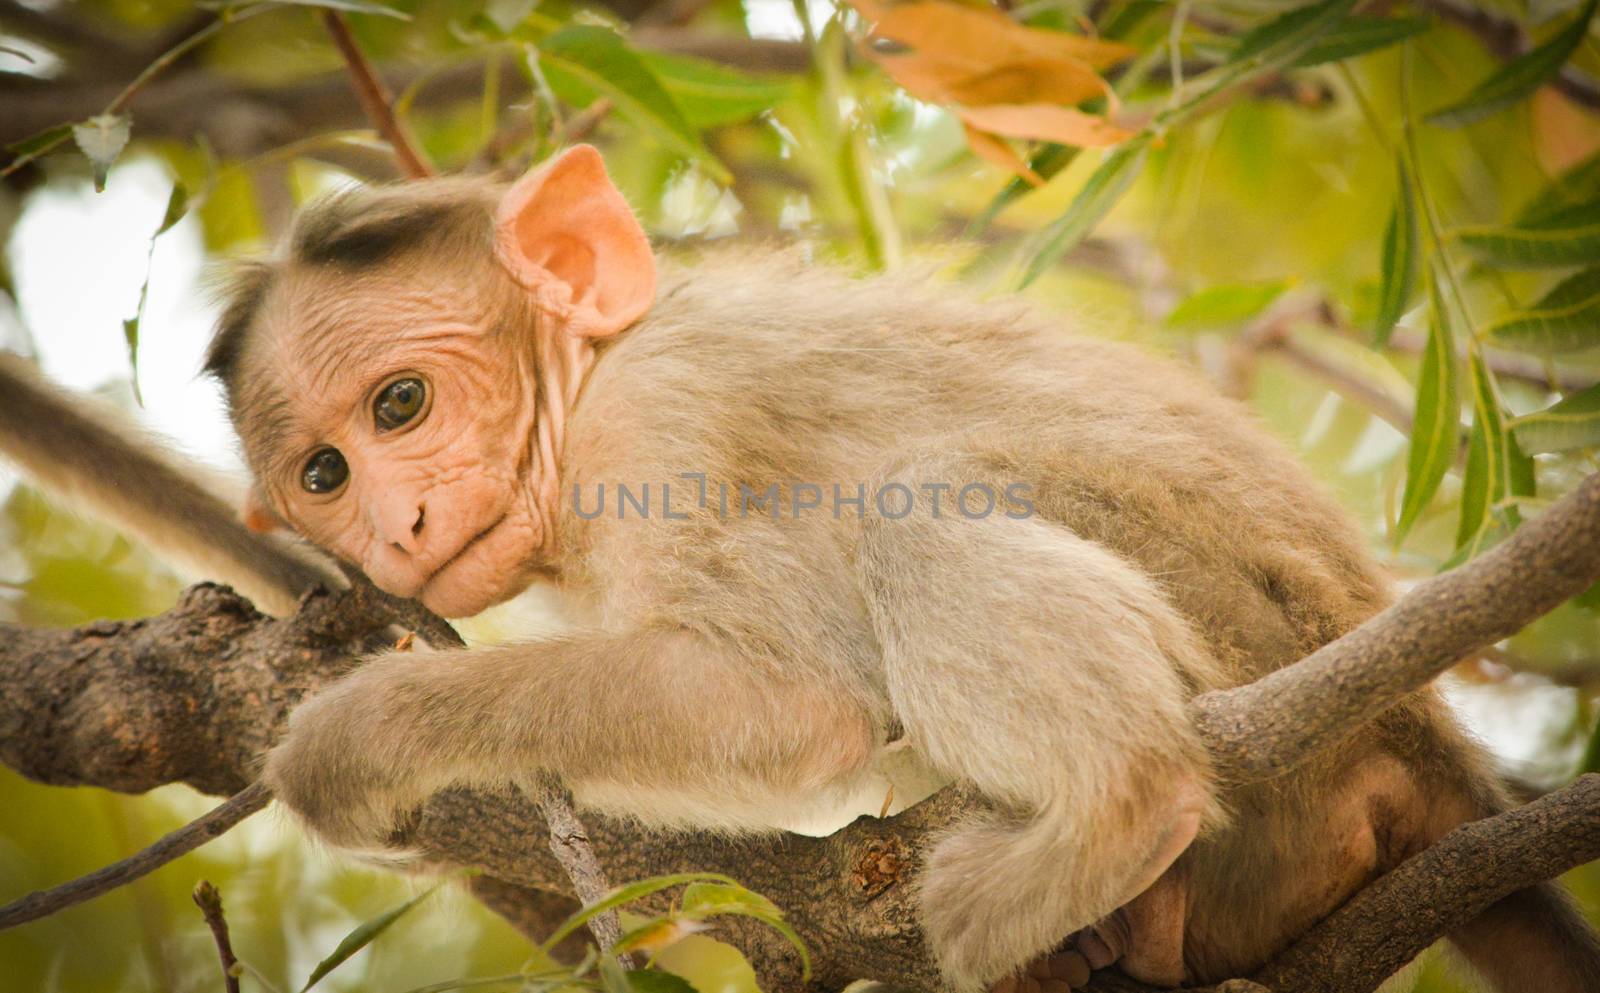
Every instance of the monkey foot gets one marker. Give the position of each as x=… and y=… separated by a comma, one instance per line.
x=1068, y=967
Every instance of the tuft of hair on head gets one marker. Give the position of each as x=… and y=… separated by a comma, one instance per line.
x=362, y=227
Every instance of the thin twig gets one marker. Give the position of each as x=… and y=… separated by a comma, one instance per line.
x=375, y=98
x=581, y=125
x=120, y=102
x=408, y=614
x=569, y=843
x=209, y=901
x=182, y=841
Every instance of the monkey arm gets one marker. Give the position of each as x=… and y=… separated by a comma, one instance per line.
x=667, y=721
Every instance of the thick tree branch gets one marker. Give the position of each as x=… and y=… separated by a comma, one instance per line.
x=1268, y=727
x=194, y=695
x=1386, y=925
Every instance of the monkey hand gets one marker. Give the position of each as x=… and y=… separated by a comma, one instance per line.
x=341, y=768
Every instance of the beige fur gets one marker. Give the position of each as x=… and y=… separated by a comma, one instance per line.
x=742, y=670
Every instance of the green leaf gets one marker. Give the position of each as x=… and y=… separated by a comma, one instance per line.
x=102, y=138
x=1570, y=236
x=349, y=6
x=177, y=206
x=711, y=899
x=40, y=142
x=626, y=894
x=1225, y=306
x=1297, y=28
x=1048, y=160
x=1573, y=423
x=1567, y=319
x=612, y=977
x=1265, y=49
x=451, y=985
x=362, y=936
x=1358, y=35
x=1518, y=78
x=657, y=981
x=1579, y=184
x=706, y=899
x=586, y=59
x=1435, y=431
x=1591, y=751
x=1099, y=194
x=1400, y=242
x=1487, y=477
x=711, y=95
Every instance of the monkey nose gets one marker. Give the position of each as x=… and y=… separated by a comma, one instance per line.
x=400, y=523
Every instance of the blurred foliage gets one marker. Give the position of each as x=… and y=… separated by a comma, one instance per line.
x=1378, y=223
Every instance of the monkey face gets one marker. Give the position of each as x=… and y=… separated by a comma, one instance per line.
x=402, y=401
x=403, y=439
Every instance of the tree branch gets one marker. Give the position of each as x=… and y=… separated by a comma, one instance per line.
x=215, y=822
x=194, y=695
x=209, y=901
x=375, y=99
x=1268, y=727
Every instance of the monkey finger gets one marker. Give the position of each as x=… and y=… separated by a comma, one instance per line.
x=1094, y=948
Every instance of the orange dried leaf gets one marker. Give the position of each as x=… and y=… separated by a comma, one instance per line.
x=994, y=151
x=1045, y=122
x=982, y=37
x=1034, y=79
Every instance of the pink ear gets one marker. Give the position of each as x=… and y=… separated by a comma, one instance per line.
x=565, y=232
x=258, y=516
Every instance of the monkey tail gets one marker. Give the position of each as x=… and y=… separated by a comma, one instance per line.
x=79, y=449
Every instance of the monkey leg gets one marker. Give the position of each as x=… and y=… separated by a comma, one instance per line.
x=1050, y=674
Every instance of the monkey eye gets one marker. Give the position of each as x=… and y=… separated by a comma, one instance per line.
x=398, y=403
x=325, y=471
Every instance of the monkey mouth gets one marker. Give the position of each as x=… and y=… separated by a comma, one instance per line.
x=461, y=553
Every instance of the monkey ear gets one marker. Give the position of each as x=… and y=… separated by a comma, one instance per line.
x=566, y=234
x=258, y=516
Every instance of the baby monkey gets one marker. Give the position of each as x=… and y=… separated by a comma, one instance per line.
x=799, y=515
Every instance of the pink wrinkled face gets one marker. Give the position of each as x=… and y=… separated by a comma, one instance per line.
x=399, y=435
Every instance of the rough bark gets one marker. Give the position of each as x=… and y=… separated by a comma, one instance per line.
x=196, y=694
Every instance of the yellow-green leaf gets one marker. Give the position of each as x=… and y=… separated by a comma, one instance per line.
x=1099, y=194
x=1400, y=241
x=1518, y=78
x=626, y=894
x=711, y=95
x=1567, y=319
x=1358, y=35
x=1225, y=306
x=362, y=936
x=1570, y=236
x=1572, y=423
x=1435, y=430
x=588, y=59
x=1486, y=479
